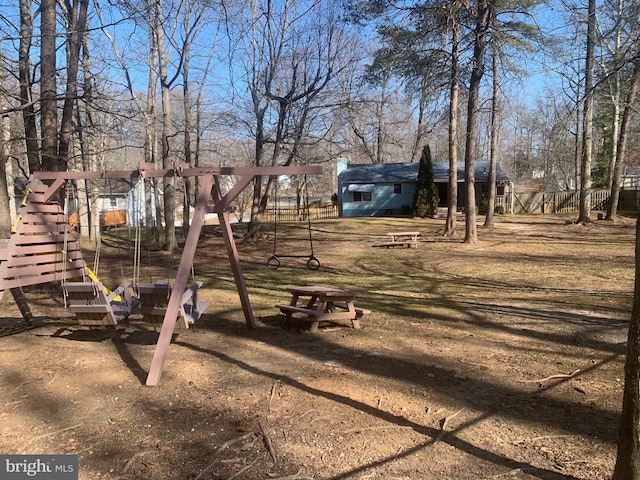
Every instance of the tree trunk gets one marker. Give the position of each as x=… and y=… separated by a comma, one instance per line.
x=628, y=459
x=48, y=103
x=26, y=90
x=380, y=125
x=482, y=24
x=621, y=149
x=88, y=208
x=76, y=24
x=5, y=198
x=454, y=87
x=152, y=208
x=255, y=219
x=587, y=134
x=416, y=150
x=187, y=141
x=616, y=89
x=495, y=126
x=168, y=184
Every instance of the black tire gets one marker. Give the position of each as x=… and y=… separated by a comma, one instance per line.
x=313, y=263
x=273, y=263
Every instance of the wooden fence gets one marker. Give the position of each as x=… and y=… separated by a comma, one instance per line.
x=293, y=214
x=569, y=201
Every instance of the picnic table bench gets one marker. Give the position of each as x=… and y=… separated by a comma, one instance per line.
x=401, y=239
x=319, y=303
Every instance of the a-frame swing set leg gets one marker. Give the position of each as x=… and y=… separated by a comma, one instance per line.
x=232, y=252
x=168, y=324
x=22, y=304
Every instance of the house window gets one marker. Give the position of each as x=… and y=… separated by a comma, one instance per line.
x=397, y=188
x=113, y=202
x=361, y=196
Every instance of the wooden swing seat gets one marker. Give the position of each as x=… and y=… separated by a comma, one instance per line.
x=154, y=299
x=93, y=307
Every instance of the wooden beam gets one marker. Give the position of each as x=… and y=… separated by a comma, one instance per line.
x=21, y=301
x=224, y=201
x=179, y=172
x=54, y=188
x=180, y=284
x=234, y=259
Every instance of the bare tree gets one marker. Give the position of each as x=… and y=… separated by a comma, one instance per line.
x=27, y=101
x=5, y=136
x=623, y=137
x=454, y=88
x=483, y=10
x=292, y=54
x=495, y=124
x=587, y=117
x=48, y=88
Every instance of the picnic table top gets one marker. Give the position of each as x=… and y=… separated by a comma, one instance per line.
x=321, y=290
x=403, y=233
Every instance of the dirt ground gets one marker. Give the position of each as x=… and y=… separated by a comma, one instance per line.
x=498, y=360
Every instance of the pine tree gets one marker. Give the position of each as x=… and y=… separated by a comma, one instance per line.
x=426, y=198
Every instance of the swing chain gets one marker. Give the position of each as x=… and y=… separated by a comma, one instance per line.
x=274, y=261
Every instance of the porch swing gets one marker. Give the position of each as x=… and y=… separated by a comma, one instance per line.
x=92, y=303
x=154, y=297
x=274, y=261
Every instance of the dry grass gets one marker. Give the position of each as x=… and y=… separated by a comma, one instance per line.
x=500, y=359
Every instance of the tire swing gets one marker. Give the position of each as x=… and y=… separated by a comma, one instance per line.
x=274, y=261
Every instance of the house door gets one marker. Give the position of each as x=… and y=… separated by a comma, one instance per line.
x=443, y=193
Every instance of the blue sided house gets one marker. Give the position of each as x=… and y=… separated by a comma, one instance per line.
x=385, y=189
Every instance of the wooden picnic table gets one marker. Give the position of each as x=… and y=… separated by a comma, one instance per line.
x=319, y=303
x=401, y=239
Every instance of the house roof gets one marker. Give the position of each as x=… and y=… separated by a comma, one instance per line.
x=408, y=172
x=631, y=171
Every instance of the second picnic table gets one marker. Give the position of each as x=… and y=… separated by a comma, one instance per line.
x=410, y=239
x=319, y=303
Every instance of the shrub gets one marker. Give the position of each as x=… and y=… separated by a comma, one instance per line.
x=426, y=198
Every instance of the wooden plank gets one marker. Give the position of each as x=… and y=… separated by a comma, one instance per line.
x=53, y=189
x=57, y=238
x=36, y=208
x=34, y=251
x=23, y=306
x=43, y=258
x=38, y=187
x=394, y=244
x=315, y=314
x=76, y=308
x=6, y=284
x=24, y=228
x=180, y=172
x=169, y=322
x=29, y=270
x=114, y=218
x=57, y=218
x=311, y=312
x=234, y=257
x=358, y=310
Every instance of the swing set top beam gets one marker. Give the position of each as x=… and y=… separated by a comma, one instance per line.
x=148, y=170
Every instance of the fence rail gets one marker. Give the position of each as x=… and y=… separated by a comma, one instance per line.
x=293, y=214
x=569, y=201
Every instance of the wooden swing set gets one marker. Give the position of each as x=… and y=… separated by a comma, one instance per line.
x=43, y=249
